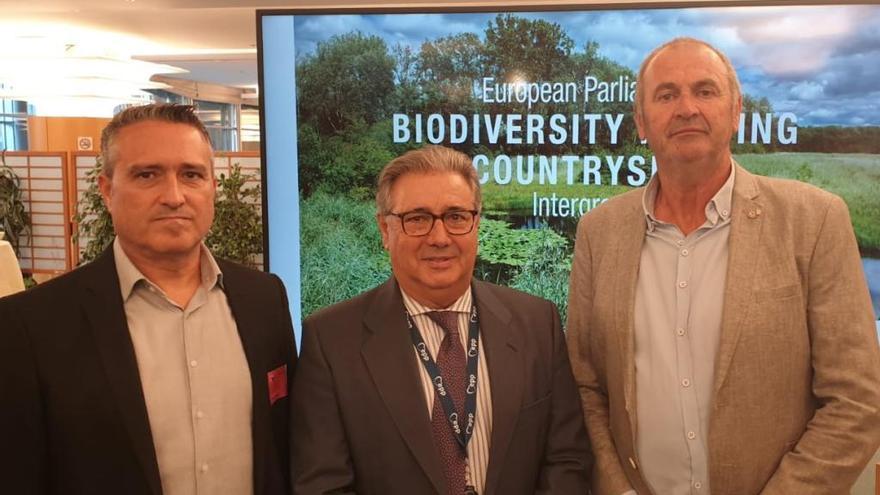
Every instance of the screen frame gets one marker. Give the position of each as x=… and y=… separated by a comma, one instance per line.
x=262, y=14
x=289, y=270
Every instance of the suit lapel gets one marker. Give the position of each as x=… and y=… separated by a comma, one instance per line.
x=388, y=355
x=500, y=343
x=630, y=238
x=103, y=306
x=245, y=306
x=745, y=236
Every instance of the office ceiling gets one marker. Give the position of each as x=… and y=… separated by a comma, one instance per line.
x=215, y=40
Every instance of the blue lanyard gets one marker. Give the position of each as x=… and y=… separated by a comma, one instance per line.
x=463, y=435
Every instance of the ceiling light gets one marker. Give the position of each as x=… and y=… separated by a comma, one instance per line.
x=46, y=69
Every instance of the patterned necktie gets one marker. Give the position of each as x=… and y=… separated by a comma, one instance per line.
x=452, y=364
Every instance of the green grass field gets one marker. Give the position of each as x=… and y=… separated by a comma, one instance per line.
x=342, y=254
x=854, y=177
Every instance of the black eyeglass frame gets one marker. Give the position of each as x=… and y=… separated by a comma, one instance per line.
x=434, y=218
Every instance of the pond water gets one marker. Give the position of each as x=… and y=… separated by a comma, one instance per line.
x=872, y=273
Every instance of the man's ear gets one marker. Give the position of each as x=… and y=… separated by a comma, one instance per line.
x=383, y=229
x=105, y=185
x=737, y=110
x=640, y=124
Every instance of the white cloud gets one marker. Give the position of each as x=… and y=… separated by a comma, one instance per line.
x=791, y=41
x=807, y=90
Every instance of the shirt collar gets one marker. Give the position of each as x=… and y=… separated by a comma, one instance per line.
x=130, y=276
x=461, y=305
x=717, y=209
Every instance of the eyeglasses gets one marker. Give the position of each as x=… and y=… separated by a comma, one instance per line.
x=420, y=223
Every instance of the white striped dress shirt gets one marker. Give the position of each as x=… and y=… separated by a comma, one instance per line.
x=478, y=447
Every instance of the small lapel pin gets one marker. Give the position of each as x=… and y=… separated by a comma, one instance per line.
x=277, y=381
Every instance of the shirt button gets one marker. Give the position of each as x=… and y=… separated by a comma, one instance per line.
x=200, y=414
x=724, y=213
x=698, y=485
x=691, y=435
x=679, y=242
x=683, y=284
x=193, y=363
x=205, y=467
x=685, y=383
x=685, y=252
x=680, y=332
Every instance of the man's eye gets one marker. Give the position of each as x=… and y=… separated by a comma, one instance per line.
x=416, y=219
x=455, y=216
x=193, y=175
x=145, y=175
x=665, y=97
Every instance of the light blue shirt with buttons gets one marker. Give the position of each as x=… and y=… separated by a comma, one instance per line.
x=678, y=304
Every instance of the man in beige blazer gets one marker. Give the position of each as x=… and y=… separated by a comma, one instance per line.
x=720, y=329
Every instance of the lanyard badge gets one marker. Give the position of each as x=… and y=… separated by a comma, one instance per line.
x=462, y=434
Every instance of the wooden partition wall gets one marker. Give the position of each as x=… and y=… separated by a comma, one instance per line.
x=46, y=248
x=54, y=182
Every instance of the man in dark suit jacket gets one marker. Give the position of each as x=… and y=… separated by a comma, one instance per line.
x=370, y=416
x=92, y=401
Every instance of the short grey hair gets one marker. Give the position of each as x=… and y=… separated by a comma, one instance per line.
x=426, y=160
x=161, y=112
x=732, y=80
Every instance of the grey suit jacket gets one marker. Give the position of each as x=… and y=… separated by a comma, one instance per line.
x=796, y=405
x=361, y=425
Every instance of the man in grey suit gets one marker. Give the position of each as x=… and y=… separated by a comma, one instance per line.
x=434, y=383
x=720, y=328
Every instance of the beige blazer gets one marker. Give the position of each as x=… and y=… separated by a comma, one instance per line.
x=796, y=405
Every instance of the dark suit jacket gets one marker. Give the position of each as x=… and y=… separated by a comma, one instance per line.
x=361, y=424
x=73, y=418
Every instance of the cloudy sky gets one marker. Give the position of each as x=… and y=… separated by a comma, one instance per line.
x=820, y=62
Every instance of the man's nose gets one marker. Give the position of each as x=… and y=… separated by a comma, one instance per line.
x=172, y=192
x=687, y=106
x=438, y=235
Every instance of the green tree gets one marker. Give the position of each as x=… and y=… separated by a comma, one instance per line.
x=349, y=79
x=237, y=231
x=344, y=163
x=837, y=139
x=94, y=224
x=407, y=91
x=448, y=68
x=752, y=106
x=14, y=220
x=452, y=58
x=536, y=50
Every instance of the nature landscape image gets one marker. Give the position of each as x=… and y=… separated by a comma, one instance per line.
x=370, y=87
